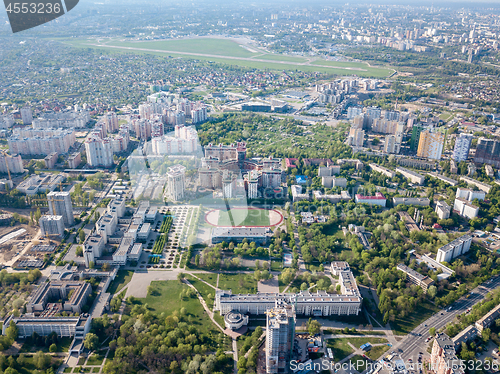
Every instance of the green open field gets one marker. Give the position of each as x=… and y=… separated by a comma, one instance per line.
x=219, y=47
x=230, y=52
x=402, y=326
x=165, y=298
x=238, y=283
x=244, y=217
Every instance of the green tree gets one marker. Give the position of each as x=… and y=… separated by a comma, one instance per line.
x=53, y=348
x=81, y=236
x=79, y=251
x=41, y=360
x=91, y=341
x=432, y=331
x=313, y=326
x=432, y=291
x=12, y=331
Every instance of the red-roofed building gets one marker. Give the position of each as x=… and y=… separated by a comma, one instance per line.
x=378, y=199
x=291, y=162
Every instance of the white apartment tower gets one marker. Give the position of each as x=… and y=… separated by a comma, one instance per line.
x=27, y=115
x=60, y=205
x=462, y=147
x=99, y=151
x=280, y=335
x=176, y=182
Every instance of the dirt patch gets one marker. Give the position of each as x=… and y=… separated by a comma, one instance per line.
x=9, y=249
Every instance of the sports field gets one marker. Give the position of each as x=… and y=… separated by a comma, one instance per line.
x=250, y=217
x=232, y=52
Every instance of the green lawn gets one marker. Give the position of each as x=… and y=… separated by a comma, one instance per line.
x=244, y=217
x=165, y=298
x=207, y=292
x=95, y=359
x=404, y=326
x=359, y=363
x=238, y=283
x=340, y=348
x=377, y=351
x=357, y=342
x=121, y=280
x=219, y=47
x=208, y=277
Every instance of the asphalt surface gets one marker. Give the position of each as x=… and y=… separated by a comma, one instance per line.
x=412, y=344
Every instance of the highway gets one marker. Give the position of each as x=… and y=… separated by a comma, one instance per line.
x=412, y=344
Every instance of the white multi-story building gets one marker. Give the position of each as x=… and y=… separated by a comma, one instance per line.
x=99, y=151
x=116, y=207
x=464, y=208
x=462, y=147
x=111, y=120
x=60, y=205
x=280, y=337
x=176, y=182
x=468, y=194
x=184, y=141
x=52, y=226
x=356, y=137
x=27, y=115
x=383, y=170
x=6, y=121
x=443, y=210
x=454, y=249
x=41, y=142
x=68, y=119
x=253, y=182
x=411, y=175
x=390, y=144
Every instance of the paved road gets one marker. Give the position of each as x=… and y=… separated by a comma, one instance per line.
x=412, y=344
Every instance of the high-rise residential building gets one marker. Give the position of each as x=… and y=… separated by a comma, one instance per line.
x=146, y=111
x=280, y=334
x=462, y=147
x=60, y=205
x=41, y=141
x=52, y=226
x=176, y=182
x=253, y=183
x=65, y=119
x=27, y=115
x=99, y=151
x=184, y=141
x=14, y=164
x=443, y=210
x=488, y=152
x=430, y=145
x=356, y=137
x=390, y=144
x=111, y=120
x=50, y=160
x=415, y=136
x=74, y=160
x=6, y=121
